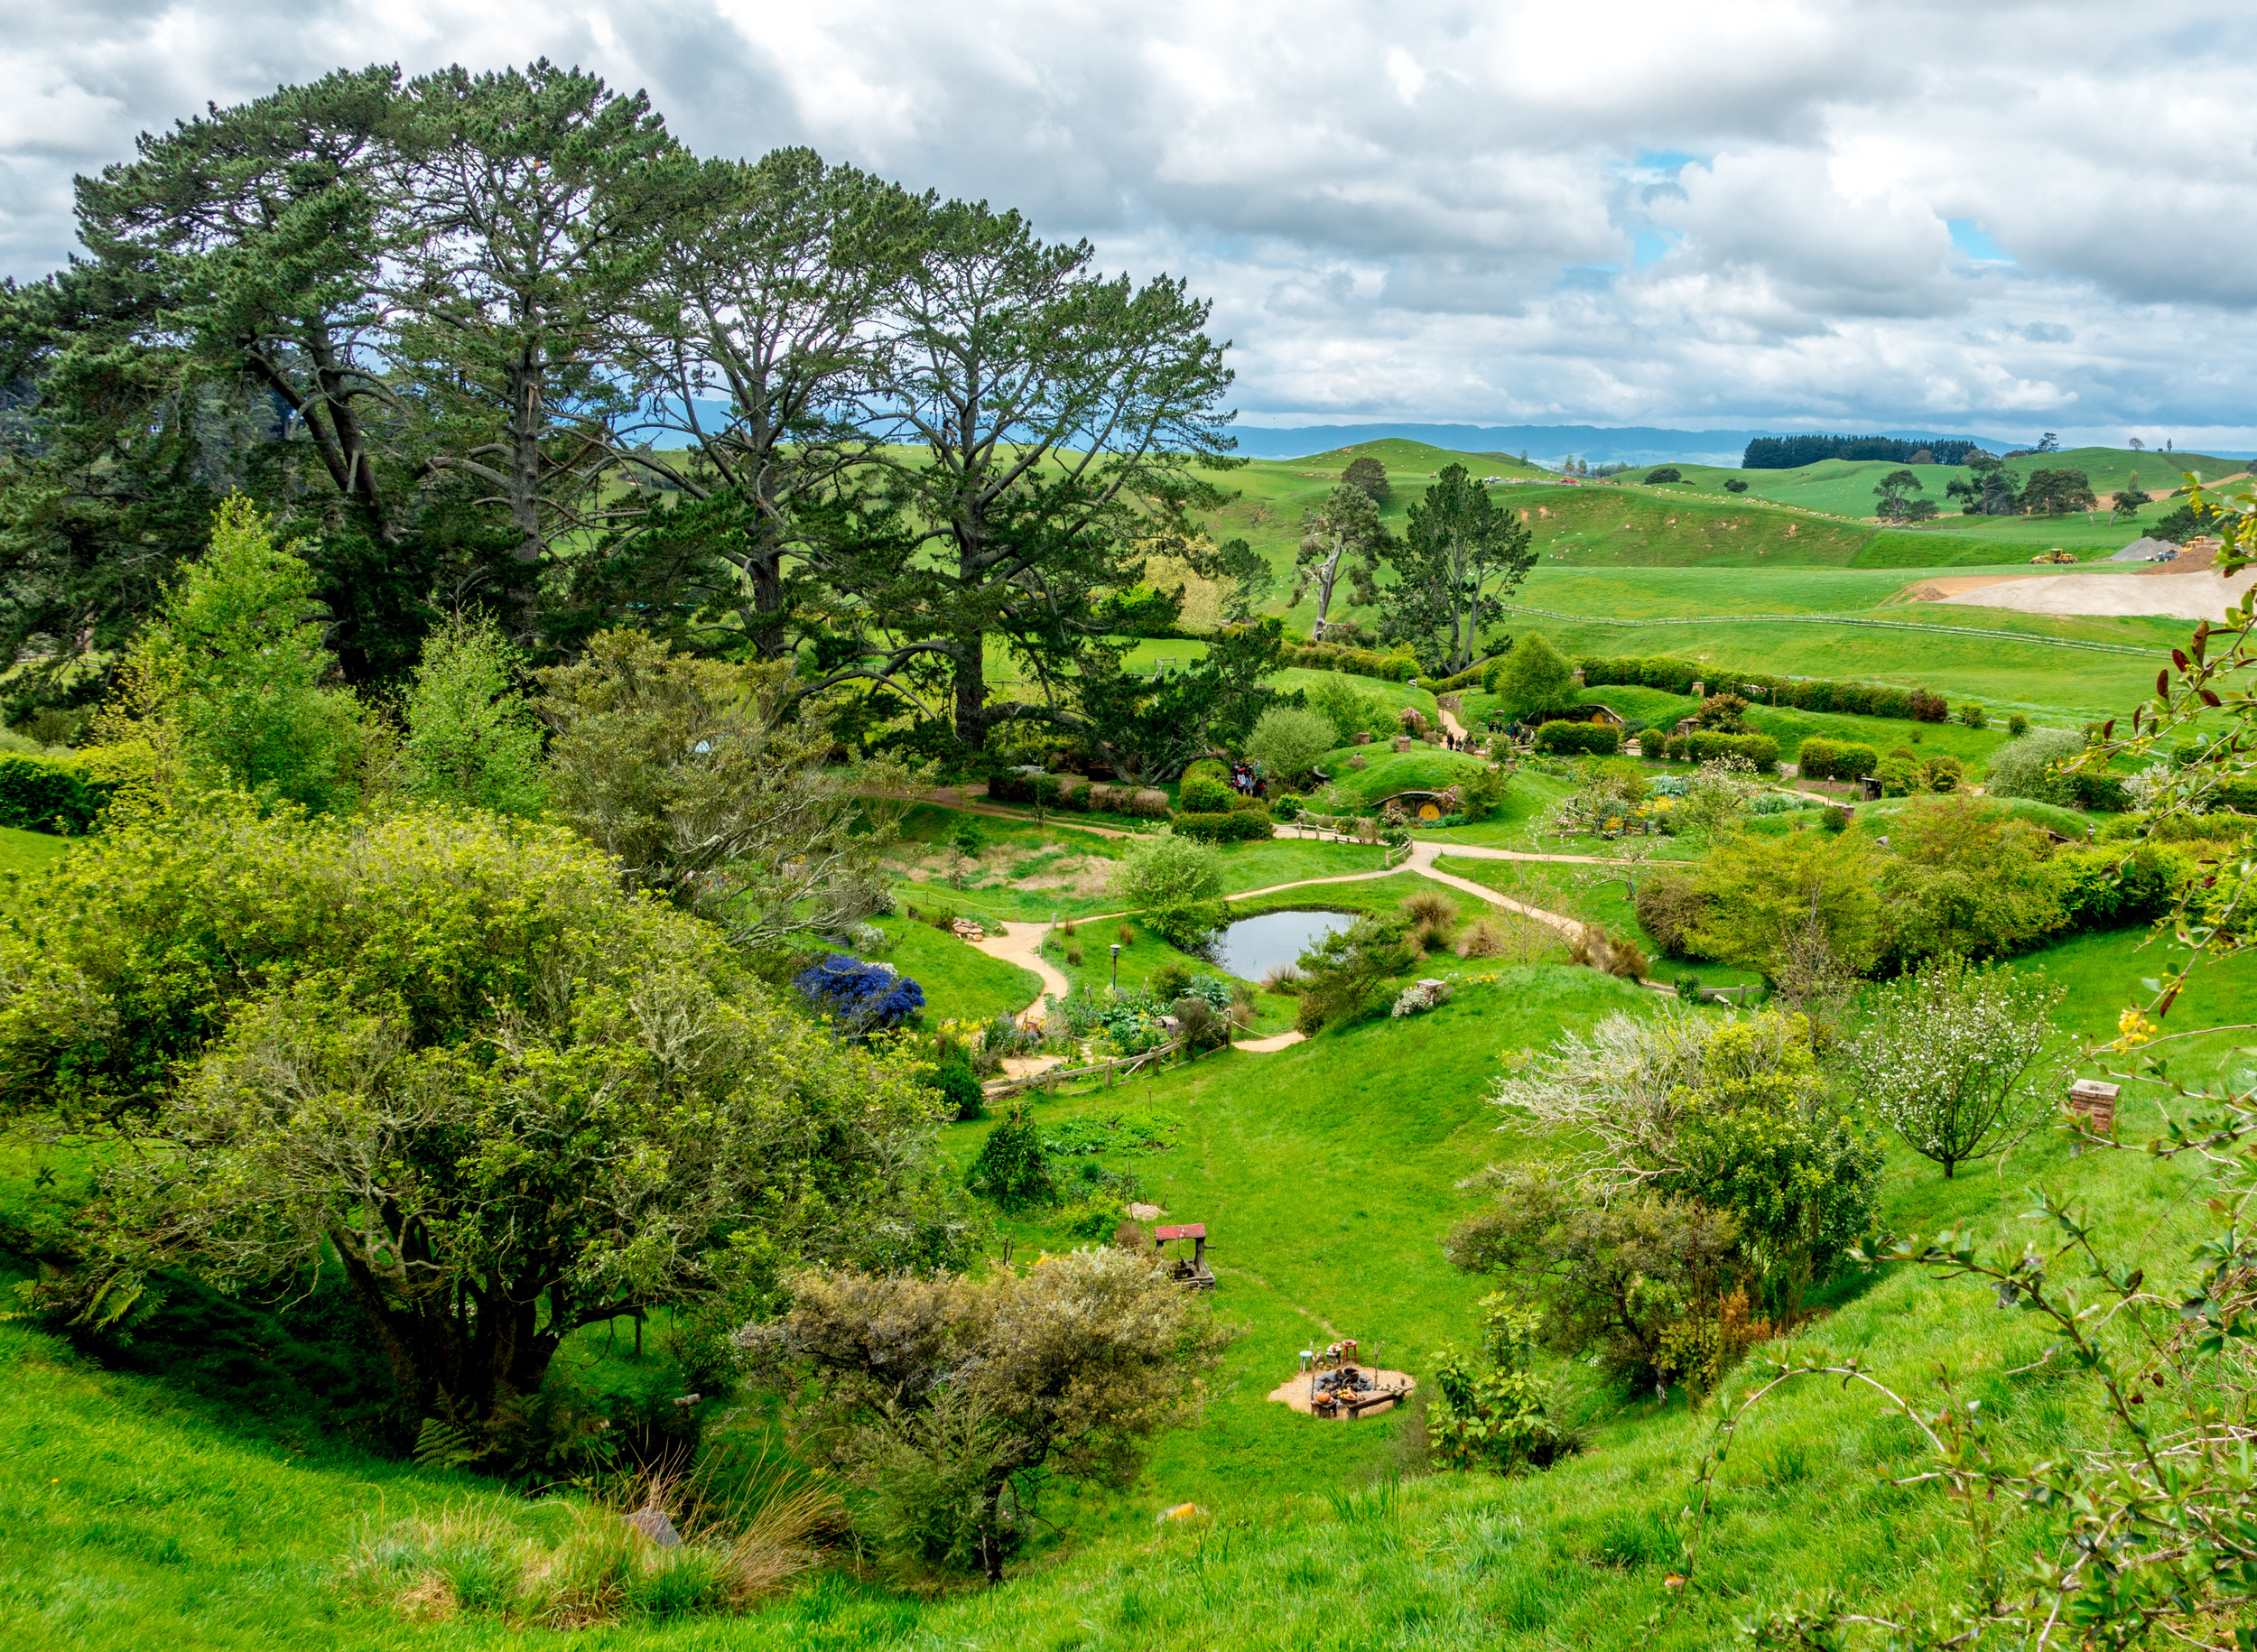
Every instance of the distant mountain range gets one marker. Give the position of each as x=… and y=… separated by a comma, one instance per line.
x=1548, y=444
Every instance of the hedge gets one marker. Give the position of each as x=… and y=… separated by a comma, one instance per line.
x=1355, y=661
x=1475, y=675
x=1804, y=694
x=1596, y=740
x=45, y=795
x=1204, y=794
x=1836, y=760
x=1234, y=826
x=1703, y=746
x=1072, y=791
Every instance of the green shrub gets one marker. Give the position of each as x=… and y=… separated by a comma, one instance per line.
x=1484, y=794
x=2102, y=793
x=960, y=1089
x=46, y=795
x=1591, y=739
x=1288, y=740
x=1704, y=747
x=1898, y=776
x=1232, y=826
x=1494, y=1418
x=1836, y=760
x=1167, y=984
x=1012, y=1169
x=1287, y=806
x=1973, y=715
x=2016, y=725
x=1203, y=795
x=1174, y=880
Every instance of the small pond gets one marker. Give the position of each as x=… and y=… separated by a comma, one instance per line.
x=1252, y=947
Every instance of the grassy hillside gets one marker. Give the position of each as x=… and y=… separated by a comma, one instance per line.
x=1630, y=525
x=1845, y=486
x=142, y=1517
x=21, y=851
x=2035, y=676
x=1415, y=462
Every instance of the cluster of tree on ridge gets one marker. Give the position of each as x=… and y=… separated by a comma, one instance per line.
x=1793, y=453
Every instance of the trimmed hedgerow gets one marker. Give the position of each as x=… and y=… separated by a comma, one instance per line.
x=1703, y=746
x=1836, y=760
x=1804, y=694
x=42, y=794
x=1226, y=826
x=1567, y=740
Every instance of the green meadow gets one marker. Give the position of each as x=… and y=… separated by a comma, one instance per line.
x=212, y=1485
x=144, y=1513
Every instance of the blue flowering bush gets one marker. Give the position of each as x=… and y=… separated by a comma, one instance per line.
x=860, y=998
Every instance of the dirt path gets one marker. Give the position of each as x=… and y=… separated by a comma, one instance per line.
x=1422, y=861
x=1021, y=944
x=1264, y=1046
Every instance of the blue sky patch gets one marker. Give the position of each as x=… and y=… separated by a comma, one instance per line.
x=1977, y=246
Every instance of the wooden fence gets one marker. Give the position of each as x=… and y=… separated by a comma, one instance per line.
x=997, y=1089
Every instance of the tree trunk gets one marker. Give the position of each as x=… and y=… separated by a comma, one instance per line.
x=1326, y=578
x=524, y=459
x=971, y=692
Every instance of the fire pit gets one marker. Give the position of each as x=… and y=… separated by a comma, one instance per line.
x=1345, y=1382
x=1346, y=1392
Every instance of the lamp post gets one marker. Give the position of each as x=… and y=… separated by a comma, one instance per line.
x=1116, y=988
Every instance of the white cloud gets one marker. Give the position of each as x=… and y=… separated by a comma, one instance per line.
x=1735, y=213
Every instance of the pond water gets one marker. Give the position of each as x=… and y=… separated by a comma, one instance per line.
x=1252, y=947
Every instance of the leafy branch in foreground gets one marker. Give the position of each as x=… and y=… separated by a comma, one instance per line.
x=2155, y=1529
x=2147, y=1533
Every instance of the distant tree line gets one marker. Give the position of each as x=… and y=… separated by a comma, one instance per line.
x=1793, y=453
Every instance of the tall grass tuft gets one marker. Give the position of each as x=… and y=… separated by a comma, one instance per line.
x=479, y=1557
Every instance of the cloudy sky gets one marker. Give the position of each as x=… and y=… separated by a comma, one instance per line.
x=1995, y=218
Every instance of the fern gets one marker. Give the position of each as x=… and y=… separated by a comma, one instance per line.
x=442, y=1445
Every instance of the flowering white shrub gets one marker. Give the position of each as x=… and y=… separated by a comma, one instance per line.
x=1422, y=994
x=1946, y=1059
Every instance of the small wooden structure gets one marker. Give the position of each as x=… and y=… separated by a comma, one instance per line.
x=2093, y=1104
x=1192, y=1270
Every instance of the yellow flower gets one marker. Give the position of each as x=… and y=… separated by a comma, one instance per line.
x=2135, y=1029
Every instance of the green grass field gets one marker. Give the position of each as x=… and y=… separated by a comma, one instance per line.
x=1324, y=1174
x=961, y=982
x=26, y=852
x=150, y=1510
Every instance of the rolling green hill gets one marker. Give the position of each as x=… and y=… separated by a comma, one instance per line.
x=145, y=1516
x=1631, y=526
